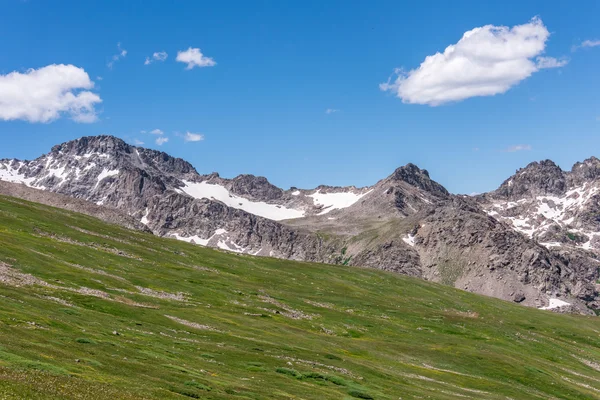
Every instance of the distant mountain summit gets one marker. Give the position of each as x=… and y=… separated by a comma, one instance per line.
x=532, y=240
x=559, y=209
x=537, y=178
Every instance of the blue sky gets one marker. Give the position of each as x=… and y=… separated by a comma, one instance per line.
x=279, y=66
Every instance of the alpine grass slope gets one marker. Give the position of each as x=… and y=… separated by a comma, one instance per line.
x=90, y=310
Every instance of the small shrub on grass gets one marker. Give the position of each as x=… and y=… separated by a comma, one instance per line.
x=84, y=340
x=288, y=371
x=255, y=366
x=336, y=380
x=360, y=395
x=314, y=375
x=332, y=357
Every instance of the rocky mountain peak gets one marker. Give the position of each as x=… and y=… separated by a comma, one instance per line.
x=586, y=171
x=418, y=177
x=257, y=187
x=103, y=144
x=537, y=178
x=114, y=152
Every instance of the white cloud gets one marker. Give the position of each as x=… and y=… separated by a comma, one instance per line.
x=155, y=132
x=590, y=43
x=158, y=56
x=137, y=142
x=161, y=140
x=44, y=94
x=99, y=78
x=518, y=147
x=586, y=43
x=331, y=111
x=193, y=137
x=121, y=54
x=486, y=61
x=193, y=57
x=550, y=62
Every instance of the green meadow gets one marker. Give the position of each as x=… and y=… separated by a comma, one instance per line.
x=96, y=311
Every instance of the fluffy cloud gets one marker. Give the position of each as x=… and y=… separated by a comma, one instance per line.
x=161, y=140
x=137, y=142
x=44, y=94
x=518, y=147
x=158, y=56
x=193, y=57
x=331, y=111
x=155, y=132
x=121, y=54
x=486, y=61
x=193, y=137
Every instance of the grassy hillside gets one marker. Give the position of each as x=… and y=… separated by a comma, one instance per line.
x=94, y=311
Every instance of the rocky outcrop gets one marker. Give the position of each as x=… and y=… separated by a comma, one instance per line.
x=459, y=245
x=537, y=178
x=419, y=178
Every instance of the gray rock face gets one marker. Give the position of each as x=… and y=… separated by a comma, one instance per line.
x=582, y=172
x=532, y=241
x=461, y=246
x=419, y=178
x=538, y=178
x=254, y=187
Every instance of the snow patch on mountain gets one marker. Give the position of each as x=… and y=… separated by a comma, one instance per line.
x=409, y=240
x=58, y=172
x=10, y=173
x=205, y=190
x=335, y=201
x=106, y=173
x=144, y=219
x=192, y=239
x=92, y=154
x=555, y=303
x=221, y=236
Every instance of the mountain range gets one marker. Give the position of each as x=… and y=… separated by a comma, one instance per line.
x=535, y=240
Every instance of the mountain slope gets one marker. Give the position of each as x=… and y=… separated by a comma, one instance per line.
x=95, y=311
x=172, y=199
x=106, y=214
x=405, y=223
